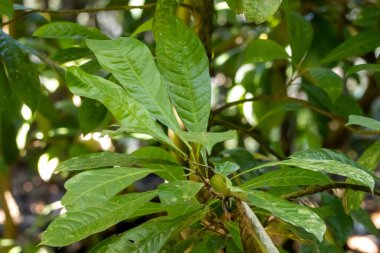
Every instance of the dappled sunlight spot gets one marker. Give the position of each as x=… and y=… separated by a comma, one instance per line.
x=334, y=125
x=42, y=250
x=236, y=93
x=263, y=36
x=13, y=207
x=364, y=244
x=46, y=166
x=248, y=111
x=2, y=216
x=26, y=113
x=16, y=249
x=375, y=217
x=51, y=84
x=109, y=22
x=22, y=135
x=105, y=141
x=242, y=72
x=83, y=18
x=250, y=144
x=221, y=6
x=77, y=101
x=136, y=13
x=52, y=207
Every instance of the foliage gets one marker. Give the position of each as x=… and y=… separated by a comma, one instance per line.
x=212, y=195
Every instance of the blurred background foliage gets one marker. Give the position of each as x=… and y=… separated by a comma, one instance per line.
x=42, y=123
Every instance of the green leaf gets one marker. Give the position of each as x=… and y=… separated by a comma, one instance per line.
x=24, y=81
x=6, y=8
x=208, y=139
x=264, y=50
x=107, y=159
x=99, y=185
x=330, y=82
x=294, y=214
x=300, y=35
x=148, y=237
x=363, y=67
x=5, y=91
x=178, y=192
x=363, y=121
x=71, y=54
x=259, y=11
x=210, y=242
x=184, y=65
x=126, y=110
x=236, y=5
x=328, y=161
x=74, y=226
x=287, y=177
x=91, y=115
x=368, y=16
x=355, y=46
x=146, y=26
x=154, y=153
x=63, y=29
x=132, y=64
x=234, y=230
x=370, y=159
x=225, y=167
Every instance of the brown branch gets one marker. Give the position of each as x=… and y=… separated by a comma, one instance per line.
x=307, y=104
x=255, y=136
x=316, y=189
x=89, y=10
x=77, y=11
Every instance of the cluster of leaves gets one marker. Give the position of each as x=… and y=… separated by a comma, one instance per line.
x=208, y=202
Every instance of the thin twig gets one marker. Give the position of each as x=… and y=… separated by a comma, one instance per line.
x=307, y=104
x=316, y=189
x=253, y=135
x=88, y=10
x=77, y=11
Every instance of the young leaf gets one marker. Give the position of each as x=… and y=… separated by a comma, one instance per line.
x=259, y=11
x=146, y=26
x=183, y=63
x=178, y=192
x=363, y=67
x=287, y=177
x=225, y=168
x=330, y=82
x=63, y=29
x=370, y=159
x=300, y=35
x=99, y=185
x=294, y=214
x=148, y=237
x=234, y=230
x=132, y=64
x=355, y=46
x=363, y=121
x=264, y=50
x=91, y=115
x=6, y=8
x=131, y=114
x=74, y=226
x=24, y=81
x=208, y=139
x=236, y=5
